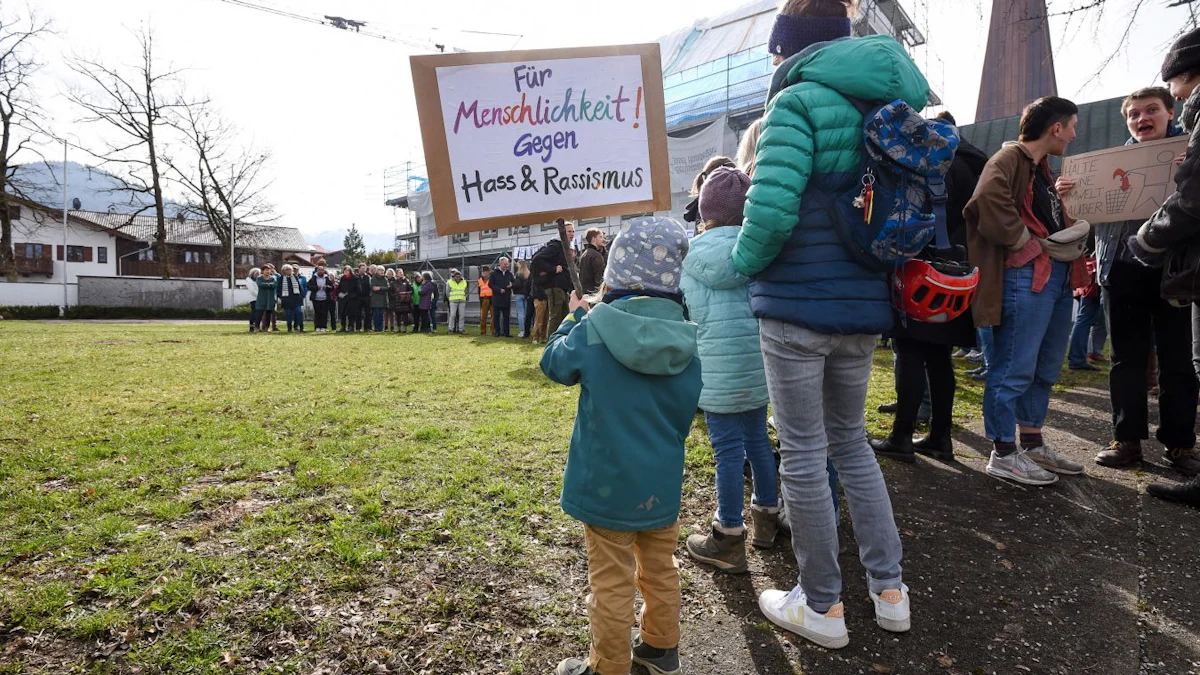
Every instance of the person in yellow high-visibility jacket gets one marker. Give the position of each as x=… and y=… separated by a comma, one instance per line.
x=457, y=295
x=485, y=299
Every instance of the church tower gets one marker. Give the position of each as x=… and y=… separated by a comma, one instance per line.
x=1019, y=64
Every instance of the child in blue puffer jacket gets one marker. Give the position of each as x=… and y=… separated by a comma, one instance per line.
x=634, y=357
x=734, y=399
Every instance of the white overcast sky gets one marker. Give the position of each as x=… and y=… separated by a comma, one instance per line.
x=336, y=108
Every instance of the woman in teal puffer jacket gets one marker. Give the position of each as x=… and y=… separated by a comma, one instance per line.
x=734, y=398
x=820, y=310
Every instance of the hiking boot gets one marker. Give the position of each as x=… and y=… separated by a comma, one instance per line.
x=726, y=552
x=574, y=667
x=764, y=526
x=1185, y=460
x=1097, y=358
x=1120, y=454
x=1019, y=468
x=790, y=611
x=1187, y=493
x=657, y=661
x=1050, y=460
x=892, y=610
x=935, y=446
x=894, y=448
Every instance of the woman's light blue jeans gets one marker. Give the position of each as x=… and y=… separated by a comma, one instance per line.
x=818, y=387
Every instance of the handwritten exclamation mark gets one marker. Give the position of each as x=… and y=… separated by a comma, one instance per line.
x=637, y=109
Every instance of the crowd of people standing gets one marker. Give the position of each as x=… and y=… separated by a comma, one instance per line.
x=784, y=312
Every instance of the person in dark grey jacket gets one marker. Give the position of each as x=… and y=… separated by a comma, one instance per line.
x=593, y=261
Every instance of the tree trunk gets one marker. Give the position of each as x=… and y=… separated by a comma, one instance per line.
x=160, y=232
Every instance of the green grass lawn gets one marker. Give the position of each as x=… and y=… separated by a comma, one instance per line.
x=192, y=498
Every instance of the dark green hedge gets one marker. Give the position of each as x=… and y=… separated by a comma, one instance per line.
x=90, y=312
x=29, y=312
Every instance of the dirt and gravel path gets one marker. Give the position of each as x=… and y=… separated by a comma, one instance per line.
x=1091, y=576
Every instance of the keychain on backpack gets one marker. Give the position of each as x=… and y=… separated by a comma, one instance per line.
x=866, y=199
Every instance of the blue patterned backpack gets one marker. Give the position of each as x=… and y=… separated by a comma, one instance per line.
x=902, y=206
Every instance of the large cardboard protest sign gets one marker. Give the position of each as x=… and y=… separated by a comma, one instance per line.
x=1125, y=183
x=519, y=138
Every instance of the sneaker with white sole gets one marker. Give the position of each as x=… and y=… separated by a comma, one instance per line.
x=1050, y=460
x=790, y=611
x=1017, y=467
x=891, y=610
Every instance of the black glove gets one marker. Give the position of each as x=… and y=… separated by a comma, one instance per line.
x=1141, y=255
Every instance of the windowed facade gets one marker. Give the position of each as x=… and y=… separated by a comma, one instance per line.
x=102, y=255
x=146, y=255
x=31, y=251
x=463, y=238
x=75, y=254
x=515, y=231
x=489, y=234
x=246, y=258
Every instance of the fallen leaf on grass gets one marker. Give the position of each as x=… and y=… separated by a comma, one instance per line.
x=945, y=661
x=1007, y=565
x=881, y=669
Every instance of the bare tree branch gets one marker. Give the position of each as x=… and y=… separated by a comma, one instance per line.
x=20, y=117
x=133, y=102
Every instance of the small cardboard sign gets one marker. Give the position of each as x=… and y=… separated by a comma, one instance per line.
x=1125, y=183
x=521, y=138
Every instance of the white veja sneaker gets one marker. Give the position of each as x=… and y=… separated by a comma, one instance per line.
x=891, y=610
x=790, y=611
x=1018, y=467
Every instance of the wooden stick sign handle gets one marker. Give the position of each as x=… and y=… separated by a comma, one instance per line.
x=572, y=267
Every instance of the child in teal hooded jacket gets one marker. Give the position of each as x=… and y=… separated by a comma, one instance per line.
x=734, y=399
x=634, y=357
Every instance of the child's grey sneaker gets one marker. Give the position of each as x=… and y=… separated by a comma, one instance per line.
x=573, y=667
x=764, y=526
x=657, y=661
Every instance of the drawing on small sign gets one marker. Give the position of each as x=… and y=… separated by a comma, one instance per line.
x=1144, y=185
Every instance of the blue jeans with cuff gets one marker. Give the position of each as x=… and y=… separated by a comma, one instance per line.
x=1028, y=350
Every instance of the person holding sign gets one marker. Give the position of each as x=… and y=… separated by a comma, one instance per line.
x=550, y=273
x=1171, y=238
x=1028, y=253
x=1143, y=322
x=634, y=355
x=820, y=311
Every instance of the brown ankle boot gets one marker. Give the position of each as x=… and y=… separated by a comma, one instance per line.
x=764, y=526
x=1121, y=454
x=1185, y=460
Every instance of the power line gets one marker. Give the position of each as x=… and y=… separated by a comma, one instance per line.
x=342, y=25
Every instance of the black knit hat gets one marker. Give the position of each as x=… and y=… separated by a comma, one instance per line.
x=1184, y=56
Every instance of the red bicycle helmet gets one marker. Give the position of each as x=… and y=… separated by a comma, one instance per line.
x=934, y=292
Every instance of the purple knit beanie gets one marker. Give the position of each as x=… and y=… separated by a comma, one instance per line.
x=791, y=34
x=723, y=196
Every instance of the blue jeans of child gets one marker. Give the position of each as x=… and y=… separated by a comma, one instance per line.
x=735, y=438
x=1089, y=334
x=818, y=386
x=1028, y=350
x=377, y=318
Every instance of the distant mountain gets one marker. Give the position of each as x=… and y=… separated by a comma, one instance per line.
x=94, y=188
x=332, y=239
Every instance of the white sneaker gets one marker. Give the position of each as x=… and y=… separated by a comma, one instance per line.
x=1050, y=460
x=1018, y=467
x=891, y=610
x=790, y=611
